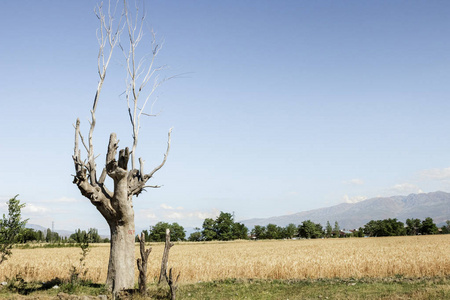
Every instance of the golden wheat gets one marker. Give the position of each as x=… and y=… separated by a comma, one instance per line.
x=355, y=257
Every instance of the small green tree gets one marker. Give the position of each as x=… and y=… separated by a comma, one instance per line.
x=259, y=232
x=240, y=231
x=310, y=230
x=83, y=238
x=10, y=227
x=289, y=231
x=177, y=232
x=446, y=228
x=336, y=230
x=272, y=231
x=413, y=226
x=328, y=230
x=386, y=227
x=319, y=231
x=55, y=237
x=48, y=235
x=396, y=228
x=158, y=232
x=40, y=236
x=52, y=236
x=428, y=226
x=79, y=236
x=208, y=232
x=95, y=237
x=195, y=236
x=27, y=235
x=359, y=232
x=224, y=226
x=370, y=229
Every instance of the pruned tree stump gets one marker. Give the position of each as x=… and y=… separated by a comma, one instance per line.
x=142, y=265
x=165, y=258
x=173, y=284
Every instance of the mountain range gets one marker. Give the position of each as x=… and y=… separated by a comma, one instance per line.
x=354, y=215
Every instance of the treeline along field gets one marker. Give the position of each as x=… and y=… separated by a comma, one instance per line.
x=408, y=256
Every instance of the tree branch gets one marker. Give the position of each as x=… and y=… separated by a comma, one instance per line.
x=116, y=169
x=139, y=73
x=86, y=177
x=137, y=179
x=148, y=176
x=76, y=150
x=98, y=195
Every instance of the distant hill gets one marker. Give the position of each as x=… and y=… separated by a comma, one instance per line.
x=62, y=233
x=354, y=215
x=37, y=227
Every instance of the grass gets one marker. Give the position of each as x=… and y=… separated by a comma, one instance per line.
x=18, y=288
x=403, y=288
x=364, y=288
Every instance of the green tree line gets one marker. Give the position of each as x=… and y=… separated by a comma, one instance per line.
x=26, y=235
x=225, y=228
x=386, y=227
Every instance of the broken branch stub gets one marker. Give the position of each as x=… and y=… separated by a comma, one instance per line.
x=165, y=258
x=142, y=264
x=173, y=284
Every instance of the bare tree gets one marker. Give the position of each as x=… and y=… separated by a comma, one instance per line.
x=116, y=206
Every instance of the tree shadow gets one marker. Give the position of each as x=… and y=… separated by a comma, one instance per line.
x=18, y=285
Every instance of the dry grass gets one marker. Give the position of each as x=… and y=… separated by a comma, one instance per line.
x=344, y=258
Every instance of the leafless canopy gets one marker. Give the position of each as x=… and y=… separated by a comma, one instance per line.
x=138, y=76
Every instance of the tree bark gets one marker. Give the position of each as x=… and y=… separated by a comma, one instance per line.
x=121, y=259
x=173, y=284
x=165, y=258
x=142, y=265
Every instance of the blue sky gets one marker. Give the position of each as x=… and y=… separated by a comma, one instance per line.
x=285, y=106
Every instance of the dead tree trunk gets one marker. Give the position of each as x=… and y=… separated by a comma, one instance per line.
x=121, y=260
x=116, y=207
x=165, y=258
x=142, y=265
x=173, y=284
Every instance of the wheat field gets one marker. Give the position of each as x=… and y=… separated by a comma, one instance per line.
x=416, y=256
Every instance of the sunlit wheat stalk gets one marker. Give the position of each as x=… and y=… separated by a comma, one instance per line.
x=416, y=256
